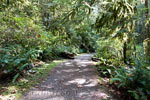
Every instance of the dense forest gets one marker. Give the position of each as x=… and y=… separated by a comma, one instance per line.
x=117, y=31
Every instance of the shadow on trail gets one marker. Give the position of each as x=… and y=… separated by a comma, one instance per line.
x=72, y=80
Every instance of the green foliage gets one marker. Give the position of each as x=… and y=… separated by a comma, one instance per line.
x=33, y=29
x=42, y=29
x=106, y=70
x=135, y=80
x=15, y=59
x=116, y=26
x=120, y=42
x=21, y=30
x=110, y=50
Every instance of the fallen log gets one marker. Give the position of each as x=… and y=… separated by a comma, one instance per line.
x=67, y=55
x=95, y=59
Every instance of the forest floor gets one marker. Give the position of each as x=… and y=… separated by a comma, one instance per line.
x=71, y=80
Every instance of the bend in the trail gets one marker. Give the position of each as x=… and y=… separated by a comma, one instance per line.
x=72, y=80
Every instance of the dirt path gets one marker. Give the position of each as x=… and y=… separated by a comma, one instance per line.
x=72, y=80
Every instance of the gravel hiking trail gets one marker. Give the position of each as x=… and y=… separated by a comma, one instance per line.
x=75, y=79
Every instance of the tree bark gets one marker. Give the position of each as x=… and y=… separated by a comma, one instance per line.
x=125, y=52
x=147, y=24
x=8, y=2
x=147, y=19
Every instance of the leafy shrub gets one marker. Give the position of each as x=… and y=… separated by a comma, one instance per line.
x=15, y=59
x=106, y=70
x=110, y=50
x=87, y=38
x=20, y=30
x=135, y=80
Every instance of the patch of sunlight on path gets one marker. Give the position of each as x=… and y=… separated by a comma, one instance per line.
x=72, y=80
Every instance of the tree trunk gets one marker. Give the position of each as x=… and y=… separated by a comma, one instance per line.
x=147, y=19
x=125, y=52
x=8, y=2
x=147, y=40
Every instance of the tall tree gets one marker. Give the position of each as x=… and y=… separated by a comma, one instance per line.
x=147, y=40
x=147, y=19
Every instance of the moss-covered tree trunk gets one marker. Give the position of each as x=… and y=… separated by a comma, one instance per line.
x=147, y=40
x=125, y=52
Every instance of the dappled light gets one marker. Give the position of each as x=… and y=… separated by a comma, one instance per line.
x=77, y=81
x=73, y=48
x=70, y=82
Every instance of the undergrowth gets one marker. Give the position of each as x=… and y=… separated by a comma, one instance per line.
x=23, y=84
